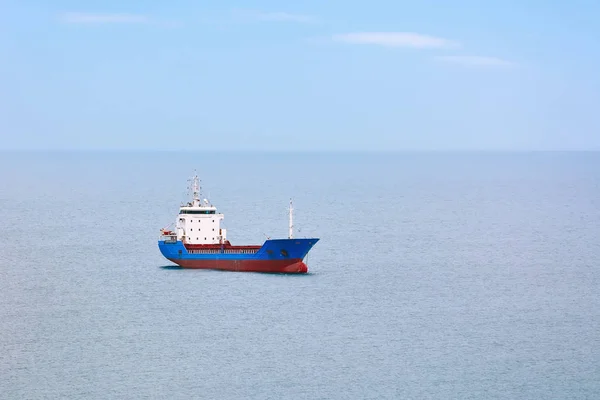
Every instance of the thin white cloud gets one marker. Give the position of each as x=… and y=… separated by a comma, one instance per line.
x=96, y=18
x=276, y=16
x=476, y=61
x=396, y=39
x=283, y=16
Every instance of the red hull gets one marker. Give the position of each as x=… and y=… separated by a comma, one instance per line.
x=288, y=266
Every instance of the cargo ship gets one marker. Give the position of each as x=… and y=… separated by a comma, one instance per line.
x=198, y=241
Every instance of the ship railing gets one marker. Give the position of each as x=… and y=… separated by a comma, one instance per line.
x=224, y=251
x=169, y=238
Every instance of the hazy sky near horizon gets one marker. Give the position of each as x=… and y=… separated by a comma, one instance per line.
x=314, y=75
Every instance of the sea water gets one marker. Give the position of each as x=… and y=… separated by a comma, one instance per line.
x=437, y=276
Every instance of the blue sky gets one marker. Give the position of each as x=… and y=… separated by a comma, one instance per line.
x=311, y=75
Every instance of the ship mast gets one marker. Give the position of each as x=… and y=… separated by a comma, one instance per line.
x=291, y=234
x=196, y=191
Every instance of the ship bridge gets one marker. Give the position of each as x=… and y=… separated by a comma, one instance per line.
x=198, y=221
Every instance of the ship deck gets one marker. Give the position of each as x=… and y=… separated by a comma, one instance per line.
x=225, y=248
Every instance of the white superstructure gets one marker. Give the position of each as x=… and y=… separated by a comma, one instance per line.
x=198, y=221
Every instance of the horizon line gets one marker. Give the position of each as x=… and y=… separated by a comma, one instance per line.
x=250, y=151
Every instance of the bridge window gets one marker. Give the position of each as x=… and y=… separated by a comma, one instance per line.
x=196, y=212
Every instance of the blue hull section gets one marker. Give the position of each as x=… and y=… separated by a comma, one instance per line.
x=272, y=249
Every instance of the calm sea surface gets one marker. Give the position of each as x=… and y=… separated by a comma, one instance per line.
x=438, y=276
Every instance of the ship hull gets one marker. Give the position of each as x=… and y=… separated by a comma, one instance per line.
x=274, y=256
x=289, y=266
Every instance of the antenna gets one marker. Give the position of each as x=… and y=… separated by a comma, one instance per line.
x=291, y=234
